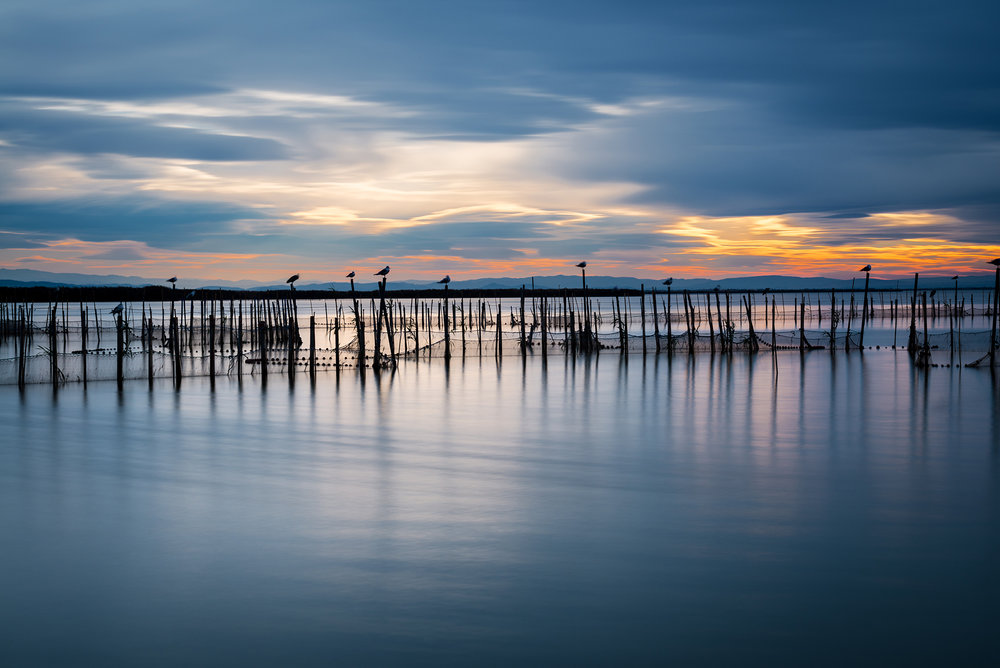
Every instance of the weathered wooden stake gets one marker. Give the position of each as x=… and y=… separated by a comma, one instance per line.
x=149, y=350
x=119, y=326
x=642, y=314
x=262, y=340
x=312, y=346
x=864, y=312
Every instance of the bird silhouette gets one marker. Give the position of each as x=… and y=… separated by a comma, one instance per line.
x=382, y=272
x=350, y=275
x=118, y=309
x=190, y=295
x=867, y=267
x=582, y=265
x=716, y=288
x=668, y=281
x=995, y=263
x=172, y=279
x=446, y=280
x=954, y=278
x=292, y=278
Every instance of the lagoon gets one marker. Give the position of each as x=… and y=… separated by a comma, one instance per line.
x=820, y=509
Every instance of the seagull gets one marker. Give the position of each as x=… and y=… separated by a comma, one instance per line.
x=954, y=278
x=292, y=278
x=190, y=295
x=867, y=267
x=118, y=309
x=446, y=280
x=172, y=279
x=350, y=275
x=582, y=265
x=995, y=263
x=382, y=272
x=668, y=281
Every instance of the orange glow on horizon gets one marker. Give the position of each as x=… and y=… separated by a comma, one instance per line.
x=694, y=247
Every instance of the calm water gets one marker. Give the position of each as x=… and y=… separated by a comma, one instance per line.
x=825, y=510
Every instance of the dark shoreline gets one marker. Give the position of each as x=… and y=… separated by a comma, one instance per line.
x=73, y=294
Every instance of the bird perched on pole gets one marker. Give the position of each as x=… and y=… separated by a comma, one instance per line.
x=867, y=267
x=995, y=263
x=291, y=280
x=446, y=280
x=583, y=278
x=118, y=309
x=669, y=281
x=172, y=279
x=383, y=271
x=350, y=275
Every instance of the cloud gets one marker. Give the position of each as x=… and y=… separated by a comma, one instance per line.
x=67, y=132
x=167, y=223
x=346, y=129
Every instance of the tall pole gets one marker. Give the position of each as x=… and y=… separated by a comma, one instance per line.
x=864, y=312
x=954, y=303
x=447, y=332
x=993, y=334
x=358, y=326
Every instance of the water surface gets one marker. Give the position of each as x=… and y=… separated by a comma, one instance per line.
x=808, y=510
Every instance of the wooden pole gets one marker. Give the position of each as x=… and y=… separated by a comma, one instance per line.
x=211, y=344
x=262, y=340
x=802, y=324
x=833, y=319
x=545, y=327
x=119, y=326
x=312, y=346
x=53, y=348
x=149, y=350
x=864, y=312
x=670, y=333
x=642, y=315
x=447, y=329
x=993, y=331
x=499, y=345
x=754, y=345
x=83, y=339
x=711, y=326
x=656, y=320
x=524, y=342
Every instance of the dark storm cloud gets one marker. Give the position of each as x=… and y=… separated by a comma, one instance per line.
x=67, y=132
x=167, y=224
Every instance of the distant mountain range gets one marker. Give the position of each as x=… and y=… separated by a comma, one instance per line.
x=31, y=277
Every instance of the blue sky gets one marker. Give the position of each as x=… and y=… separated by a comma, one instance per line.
x=253, y=140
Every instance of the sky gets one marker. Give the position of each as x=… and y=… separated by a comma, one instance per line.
x=252, y=140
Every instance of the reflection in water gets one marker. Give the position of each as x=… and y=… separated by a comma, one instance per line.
x=705, y=509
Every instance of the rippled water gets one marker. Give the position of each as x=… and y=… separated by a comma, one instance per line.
x=816, y=510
